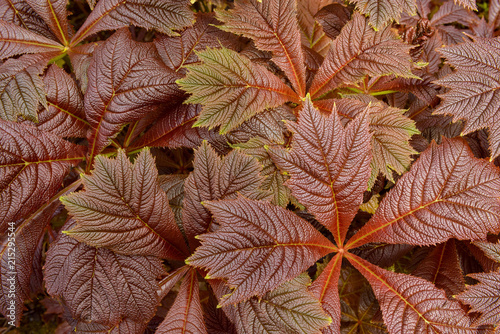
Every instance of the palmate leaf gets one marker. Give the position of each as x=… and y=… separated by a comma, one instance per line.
x=216, y=178
x=484, y=297
x=18, y=255
x=21, y=88
x=178, y=51
x=185, y=315
x=33, y=165
x=124, y=209
x=360, y=51
x=15, y=40
x=232, y=89
x=162, y=15
x=474, y=93
x=100, y=286
x=272, y=25
x=413, y=305
x=257, y=247
x=126, y=78
x=329, y=166
x=54, y=13
x=290, y=308
x=64, y=115
x=448, y=193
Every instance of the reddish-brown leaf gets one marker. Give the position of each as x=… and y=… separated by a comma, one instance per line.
x=124, y=209
x=33, y=165
x=54, y=13
x=100, y=286
x=448, y=193
x=126, y=78
x=257, y=247
x=313, y=35
x=185, y=315
x=413, y=305
x=272, y=25
x=360, y=51
x=216, y=178
x=21, y=14
x=329, y=166
x=161, y=15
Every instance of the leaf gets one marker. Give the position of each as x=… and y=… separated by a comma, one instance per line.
x=484, y=297
x=21, y=14
x=80, y=57
x=232, y=89
x=126, y=79
x=333, y=18
x=313, y=35
x=18, y=255
x=15, y=40
x=173, y=186
x=326, y=289
x=33, y=165
x=448, y=193
x=274, y=180
x=21, y=88
x=363, y=316
x=412, y=305
x=54, y=13
x=391, y=133
x=257, y=247
x=491, y=250
x=216, y=178
x=477, y=101
x=65, y=116
x=100, y=286
x=169, y=127
x=124, y=209
x=178, y=51
x=163, y=16
x=442, y=268
x=381, y=12
x=290, y=308
x=360, y=51
x=272, y=25
x=216, y=320
x=185, y=315
x=328, y=166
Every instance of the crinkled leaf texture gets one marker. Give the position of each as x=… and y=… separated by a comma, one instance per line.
x=257, y=247
x=232, y=89
x=161, y=15
x=413, y=305
x=24, y=265
x=33, y=165
x=64, y=115
x=54, y=13
x=329, y=166
x=474, y=93
x=272, y=25
x=124, y=209
x=217, y=178
x=290, y=308
x=21, y=88
x=100, y=286
x=484, y=297
x=448, y=193
x=185, y=315
x=126, y=78
x=21, y=14
x=360, y=51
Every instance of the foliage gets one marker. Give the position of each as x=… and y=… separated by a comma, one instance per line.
x=274, y=166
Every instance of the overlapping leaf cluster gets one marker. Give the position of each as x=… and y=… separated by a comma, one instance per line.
x=275, y=166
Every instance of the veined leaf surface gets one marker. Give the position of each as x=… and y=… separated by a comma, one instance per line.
x=124, y=209
x=329, y=166
x=360, y=51
x=257, y=247
x=232, y=89
x=33, y=164
x=54, y=13
x=272, y=25
x=448, y=193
